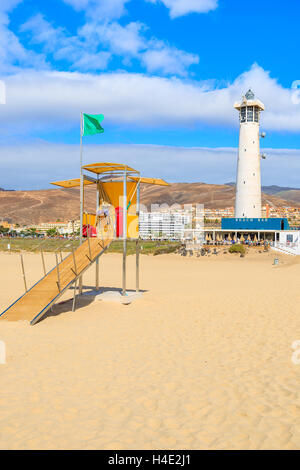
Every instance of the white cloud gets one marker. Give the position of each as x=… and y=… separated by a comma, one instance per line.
x=114, y=9
x=41, y=31
x=82, y=55
x=9, y=5
x=129, y=41
x=50, y=100
x=168, y=60
x=121, y=40
x=13, y=54
x=42, y=162
x=98, y=61
x=126, y=41
x=100, y=9
x=183, y=7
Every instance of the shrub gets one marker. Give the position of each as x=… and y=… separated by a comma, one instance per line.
x=162, y=250
x=237, y=249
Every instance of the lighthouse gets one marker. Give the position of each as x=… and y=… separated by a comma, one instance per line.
x=248, y=182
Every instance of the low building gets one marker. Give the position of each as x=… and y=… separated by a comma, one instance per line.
x=63, y=228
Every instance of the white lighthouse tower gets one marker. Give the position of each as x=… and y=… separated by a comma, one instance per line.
x=248, y=182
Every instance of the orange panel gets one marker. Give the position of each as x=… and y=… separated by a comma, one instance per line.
x=132, y=226
x=89, y=219
x=114, y=191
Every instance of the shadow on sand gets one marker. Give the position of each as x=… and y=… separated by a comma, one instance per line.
x=88, y=296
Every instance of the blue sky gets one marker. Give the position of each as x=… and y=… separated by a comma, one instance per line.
x=165, y=73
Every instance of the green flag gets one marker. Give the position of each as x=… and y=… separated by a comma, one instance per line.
x=91, y=124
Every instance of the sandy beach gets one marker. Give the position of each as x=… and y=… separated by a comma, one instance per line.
x=201, y=361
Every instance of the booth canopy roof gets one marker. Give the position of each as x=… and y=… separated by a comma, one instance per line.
x=107, y=167
x=99, y=168
x=156, y=181
x=71, y=183
x=75, y=183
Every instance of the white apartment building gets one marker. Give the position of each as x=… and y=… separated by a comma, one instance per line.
x=169, y=225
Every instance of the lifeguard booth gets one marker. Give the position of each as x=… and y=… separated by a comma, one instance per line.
x=117, y=205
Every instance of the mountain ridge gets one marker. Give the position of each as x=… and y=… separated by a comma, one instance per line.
x=272, y=189
x=50, y=205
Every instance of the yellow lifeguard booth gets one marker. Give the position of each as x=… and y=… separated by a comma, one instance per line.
x=117, y=204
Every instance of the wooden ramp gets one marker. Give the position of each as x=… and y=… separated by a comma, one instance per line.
x=39, y=299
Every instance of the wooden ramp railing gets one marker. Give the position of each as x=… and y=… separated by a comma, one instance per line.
x=39, y=299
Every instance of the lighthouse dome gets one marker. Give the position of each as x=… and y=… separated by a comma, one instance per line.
x=250, y=95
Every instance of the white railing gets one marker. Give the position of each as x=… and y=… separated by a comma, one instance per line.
x=288, y=248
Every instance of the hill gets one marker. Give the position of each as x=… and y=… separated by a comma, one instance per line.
x=28, y=207
x=274, y=189
x=33, y=207
x=213, y=196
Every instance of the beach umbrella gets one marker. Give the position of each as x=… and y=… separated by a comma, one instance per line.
x=255, y=238
x=229, y=237
x=242, y=239
x=207, y=237
x=249, y=238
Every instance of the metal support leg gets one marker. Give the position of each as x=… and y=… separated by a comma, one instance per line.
x=74, y=261
x=124, y=266
x=88, y=237
x=58, y=274
x=90, y=251
x=97, y=274
x=43, y=262
x=74, y=297
x=81, y=209
x=124, y=231
x=137, y=272
x=23, y=272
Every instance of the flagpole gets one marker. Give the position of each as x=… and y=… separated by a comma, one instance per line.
x=81, y=183
x=124, y=230
x=81, y=194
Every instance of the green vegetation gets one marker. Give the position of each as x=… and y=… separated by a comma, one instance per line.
x=237, y=249
x=34, y=244
x=3, y=229
x=147, y=247
x=52, y=232
x=163, y=250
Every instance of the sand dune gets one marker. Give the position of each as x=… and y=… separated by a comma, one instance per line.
x=202, y=361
